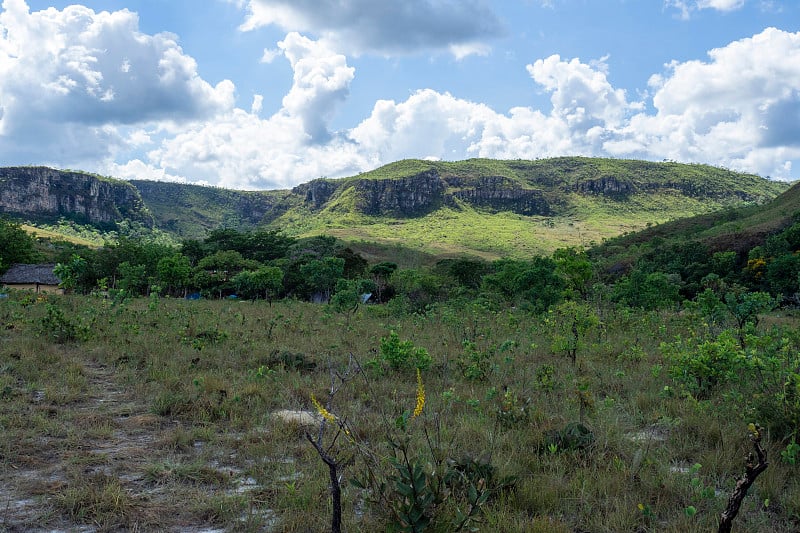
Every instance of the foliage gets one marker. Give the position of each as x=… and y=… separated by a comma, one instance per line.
x=56, y=326
x=647, y=290
x=533, y=284
x=403, y=355
x=265, y=282
x=70, y=273
x=571, y=321
x=703, y=366
x=16, y=246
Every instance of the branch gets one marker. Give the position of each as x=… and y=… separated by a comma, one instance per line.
x=753, y=467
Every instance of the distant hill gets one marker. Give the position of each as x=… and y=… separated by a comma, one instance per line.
x=737, y=229
x=479, y=207
x=41, y=194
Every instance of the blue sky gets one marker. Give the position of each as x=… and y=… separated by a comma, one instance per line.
x=264, y=94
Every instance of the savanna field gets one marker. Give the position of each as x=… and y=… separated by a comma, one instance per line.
x=160, y=413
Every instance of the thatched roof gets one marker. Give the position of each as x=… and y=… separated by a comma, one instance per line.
x=30, y=274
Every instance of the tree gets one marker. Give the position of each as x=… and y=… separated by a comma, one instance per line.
x=71, y=272
x=745, y=308
x=572, y=321
x=16, y=245
x=174, y=272
x=533, y=284
x=266, y=282
x=576, y=269
x=380, y=275
x=348, y=295
x=132, y=278
x=783, y=274
x=648, y=290
x=321, y=275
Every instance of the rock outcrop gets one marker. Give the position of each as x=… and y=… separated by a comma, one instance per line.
x=316, y=192
x=43, y=193
x=499, y=194
x=409, y=196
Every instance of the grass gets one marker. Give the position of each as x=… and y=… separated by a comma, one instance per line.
x=175, y=434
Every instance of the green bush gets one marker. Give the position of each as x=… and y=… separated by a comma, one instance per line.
x=403, y=355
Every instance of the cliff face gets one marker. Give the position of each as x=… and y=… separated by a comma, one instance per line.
x=317, y=192
x=48, y=194
x=424, y=192
x=500, y=194
x=414, y=195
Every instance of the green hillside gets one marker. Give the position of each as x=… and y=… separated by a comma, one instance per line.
x=588, y=199
x=737, y=229
x=425, y=210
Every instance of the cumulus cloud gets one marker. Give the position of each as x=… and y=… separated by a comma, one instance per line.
x=68, y=77
x=240, y=150
x=89, y=90
x=733, y=110
x=367, y=26
x=737, y=109
x=321, y=81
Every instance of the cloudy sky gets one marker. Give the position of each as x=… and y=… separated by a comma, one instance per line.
x=266, y=94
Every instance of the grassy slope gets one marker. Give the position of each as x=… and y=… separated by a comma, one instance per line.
x=56, y=236
x=737, y=229
x=190, y=210
x=580, y=219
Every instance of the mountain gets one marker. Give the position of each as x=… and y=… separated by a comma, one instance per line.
x=479, y=207
x=44, y=195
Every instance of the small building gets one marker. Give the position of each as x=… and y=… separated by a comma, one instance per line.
x=38, y=278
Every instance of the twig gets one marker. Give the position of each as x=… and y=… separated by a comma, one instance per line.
x=752, y=470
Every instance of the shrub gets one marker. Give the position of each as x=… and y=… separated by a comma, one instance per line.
x=402, y=355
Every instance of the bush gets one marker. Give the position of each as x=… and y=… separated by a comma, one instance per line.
x=403, y=355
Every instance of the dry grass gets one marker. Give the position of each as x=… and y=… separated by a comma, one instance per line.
x=142, y=426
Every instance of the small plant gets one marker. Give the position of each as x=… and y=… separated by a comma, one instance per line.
x=791, y=455
x=511, y=410
x=545, y=377
x=62, y=330
x=572, y=321
x=402, y=355
x=476, y=365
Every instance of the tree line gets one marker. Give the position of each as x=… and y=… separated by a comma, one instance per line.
x=269, y=265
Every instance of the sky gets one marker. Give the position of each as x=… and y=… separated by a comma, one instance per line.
x=268, y=94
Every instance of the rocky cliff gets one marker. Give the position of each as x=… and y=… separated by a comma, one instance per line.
x=403, y=189
x=499, y=193
x=41, y=193
x=421, y=193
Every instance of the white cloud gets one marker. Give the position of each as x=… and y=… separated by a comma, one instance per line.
x=686, y=7
x=89, y=90
x=321, y=81
x=369, y=26
x=241, y=150
x=68, y=77
x=721, y=5
x=734, y=110
x=739, y=109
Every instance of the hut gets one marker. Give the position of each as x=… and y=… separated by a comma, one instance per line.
x=38, y=278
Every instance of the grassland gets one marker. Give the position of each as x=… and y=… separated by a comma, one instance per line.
x=161, y=414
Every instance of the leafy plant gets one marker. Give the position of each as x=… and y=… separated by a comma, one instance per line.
x=61, y=329
x=403, y=355
x=475, y=364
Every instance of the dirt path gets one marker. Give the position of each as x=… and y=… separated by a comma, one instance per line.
x=109, y=464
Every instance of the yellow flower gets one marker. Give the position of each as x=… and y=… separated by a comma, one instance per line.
x=420, y=395
x=327, y=415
